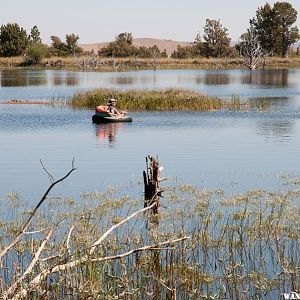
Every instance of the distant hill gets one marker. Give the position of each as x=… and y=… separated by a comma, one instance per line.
x=169, y=45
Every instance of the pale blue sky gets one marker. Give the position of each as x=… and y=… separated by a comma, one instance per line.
x=101, y=20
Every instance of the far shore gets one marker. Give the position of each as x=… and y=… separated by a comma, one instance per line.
x=94, y=63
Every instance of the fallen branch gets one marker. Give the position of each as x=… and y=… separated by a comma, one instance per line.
x=68, y=239
x=110, y=230
x=27, y=223
x=59, y=268
x=35, y=259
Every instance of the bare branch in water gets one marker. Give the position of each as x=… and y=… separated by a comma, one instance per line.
x=27, y=223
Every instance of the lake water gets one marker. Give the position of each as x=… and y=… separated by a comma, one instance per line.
x=233, y=151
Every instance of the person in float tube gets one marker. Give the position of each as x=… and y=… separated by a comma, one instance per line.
x=112, y=108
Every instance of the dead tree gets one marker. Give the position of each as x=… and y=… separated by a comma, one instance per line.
x=152, y=183
x=251, y=50
x=88, y=64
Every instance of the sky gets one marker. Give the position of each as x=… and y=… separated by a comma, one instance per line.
x=101, y=20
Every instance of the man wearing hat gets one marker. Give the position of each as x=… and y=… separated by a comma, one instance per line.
x=112, y=107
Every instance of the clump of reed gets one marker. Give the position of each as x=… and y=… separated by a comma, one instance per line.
x=169, y=99
x=243, y=246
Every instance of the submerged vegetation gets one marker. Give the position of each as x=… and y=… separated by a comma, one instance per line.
x=225, y=247
x=170, y=99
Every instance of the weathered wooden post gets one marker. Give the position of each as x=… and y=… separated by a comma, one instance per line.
x=152, y=183
x=152, y=195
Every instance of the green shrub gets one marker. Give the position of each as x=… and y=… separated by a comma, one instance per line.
x=36, y=52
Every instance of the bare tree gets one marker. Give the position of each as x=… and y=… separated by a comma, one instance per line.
x=251, y=50
x=88, y=63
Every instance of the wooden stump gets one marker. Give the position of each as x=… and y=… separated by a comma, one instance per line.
x=152, y=183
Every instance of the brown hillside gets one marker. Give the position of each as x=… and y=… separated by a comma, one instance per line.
x=169, y=45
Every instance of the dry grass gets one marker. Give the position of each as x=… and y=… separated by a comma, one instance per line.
x=124, y=64
x=9, y=62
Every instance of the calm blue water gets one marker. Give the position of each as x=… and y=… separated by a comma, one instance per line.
x=234, y=151
x=29, y=84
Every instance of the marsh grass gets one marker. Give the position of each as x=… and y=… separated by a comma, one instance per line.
x=170, y=99
x=244, y=246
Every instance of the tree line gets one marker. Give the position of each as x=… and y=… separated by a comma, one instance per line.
x=123, y=46
x=15, y=41
x=271, y=33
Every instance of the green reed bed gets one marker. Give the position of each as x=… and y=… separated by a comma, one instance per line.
x=239, y=247
x=170, y=99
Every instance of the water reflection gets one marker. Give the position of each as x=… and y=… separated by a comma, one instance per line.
x=279, y=130
x=108, y=131
x=268, y=102
x=124, y=80
x=213, y=79
x=69, y=79
x=277, y=78
x=17, y=78
x=223, y=83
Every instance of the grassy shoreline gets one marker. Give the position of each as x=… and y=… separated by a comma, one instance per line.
x=127, y=64
x=161, y=100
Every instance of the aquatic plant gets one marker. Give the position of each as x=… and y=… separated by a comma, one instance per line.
x=170, y=99
x=241, y=245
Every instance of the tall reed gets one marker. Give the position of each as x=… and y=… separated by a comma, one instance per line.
x=169, y=99
x=242, y=246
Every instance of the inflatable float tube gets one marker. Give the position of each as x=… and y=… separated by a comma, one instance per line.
x=97, y=118
x=102, y=116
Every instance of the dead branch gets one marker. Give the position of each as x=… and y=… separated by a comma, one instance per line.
x=62, y=267
x=50, y=258
x=251, y=50
x=35, y=259
x=27, y=223
x=48, y=173
x=88, y=64
x=68, y=239
x=37, y=231
x=110, y=230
